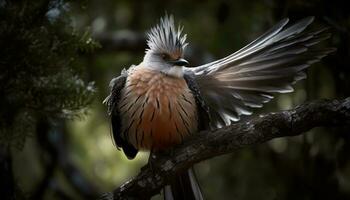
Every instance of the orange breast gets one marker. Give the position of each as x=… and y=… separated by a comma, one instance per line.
x=157, y=111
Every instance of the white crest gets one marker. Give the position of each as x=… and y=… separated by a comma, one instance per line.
x=165, y=38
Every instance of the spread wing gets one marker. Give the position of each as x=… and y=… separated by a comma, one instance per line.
x=112, y=100
x=270, y=64
x=203, y=109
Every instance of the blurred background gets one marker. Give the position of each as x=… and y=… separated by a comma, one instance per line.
x=58, y=56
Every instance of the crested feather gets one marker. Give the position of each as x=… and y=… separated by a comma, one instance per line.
x=270, y=64
x=165, y=38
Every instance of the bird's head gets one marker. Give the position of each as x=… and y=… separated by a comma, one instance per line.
x=166, y=47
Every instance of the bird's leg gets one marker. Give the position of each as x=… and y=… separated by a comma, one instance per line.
x=154, y=154
x=151, y=159
x=172, y=152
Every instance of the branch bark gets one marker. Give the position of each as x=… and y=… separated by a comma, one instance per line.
x=208, y=144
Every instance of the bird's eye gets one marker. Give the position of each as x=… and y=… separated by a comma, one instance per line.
x=164, y=56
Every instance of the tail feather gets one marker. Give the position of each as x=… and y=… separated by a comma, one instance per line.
x=184, y=187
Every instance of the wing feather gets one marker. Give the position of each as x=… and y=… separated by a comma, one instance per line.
x=112, y=101
x=270, y=64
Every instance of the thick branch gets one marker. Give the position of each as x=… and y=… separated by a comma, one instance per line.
x=208, y=144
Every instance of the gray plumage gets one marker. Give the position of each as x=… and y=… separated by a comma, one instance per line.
x=165, y=38
x=270, y=64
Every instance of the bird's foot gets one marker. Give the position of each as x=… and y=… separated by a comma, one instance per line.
x=151, y=162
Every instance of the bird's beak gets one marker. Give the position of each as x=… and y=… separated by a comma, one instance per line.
x=179, y=62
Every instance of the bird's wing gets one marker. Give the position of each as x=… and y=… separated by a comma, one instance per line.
x=203, y=109
x=247, y=78
x=112, y=101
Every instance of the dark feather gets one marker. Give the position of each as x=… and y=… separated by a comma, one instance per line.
x=183, y=187
x=112, y=101
x=203, y=109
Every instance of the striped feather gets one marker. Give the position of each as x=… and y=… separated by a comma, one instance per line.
x=165, y=38
x=270, y=64
x=158, y=111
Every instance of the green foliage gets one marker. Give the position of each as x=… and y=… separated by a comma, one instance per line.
x=40, y=76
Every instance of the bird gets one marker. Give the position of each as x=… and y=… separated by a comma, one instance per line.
x=160, y=102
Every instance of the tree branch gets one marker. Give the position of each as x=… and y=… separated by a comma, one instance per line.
x=208, y=144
